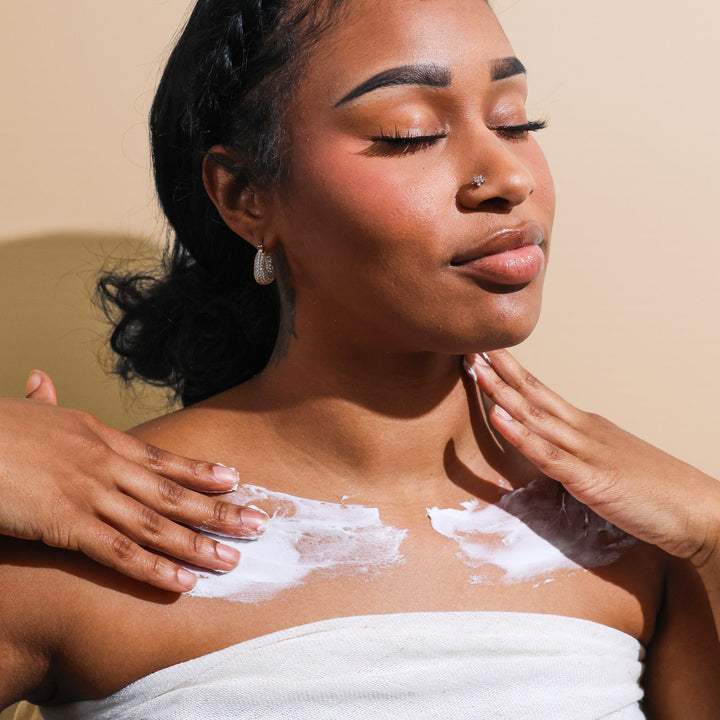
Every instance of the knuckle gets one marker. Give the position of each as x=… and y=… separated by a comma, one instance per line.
x=86, y=418
x=201, y=545
x=154, y=457
x=160, y=568
x=226, y=514
x=220, y=512
x=533, y=412
x=94, y=450
x=595, y=420
x=123, y=548
x=90, y=422
x=548, y=456
x=151, y=522
x=552, y=453
x=526, y=436
x=529, y=381
x=199, y=470
x=171, y=494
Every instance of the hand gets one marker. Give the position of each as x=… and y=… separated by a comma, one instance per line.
x=72, y=482
x=640, y=489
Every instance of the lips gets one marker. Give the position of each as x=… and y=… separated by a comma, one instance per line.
x=511, y=256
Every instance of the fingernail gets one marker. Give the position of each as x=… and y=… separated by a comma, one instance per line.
x=255, y=520
x=226, y=475
x=486, y=358
x=228, y=554
x=33, y=382
x=502, y=413
x=186, y=579
x=470, y=370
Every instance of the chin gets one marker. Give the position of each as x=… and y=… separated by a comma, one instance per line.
x=509, y=322
x=488, y=337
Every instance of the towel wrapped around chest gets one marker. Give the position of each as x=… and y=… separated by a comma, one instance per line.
x=413, y=666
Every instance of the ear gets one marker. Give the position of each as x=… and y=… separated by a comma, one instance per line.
x=240, y=205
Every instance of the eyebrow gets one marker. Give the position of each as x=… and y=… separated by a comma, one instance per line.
x=506, y=68
x=432, y=75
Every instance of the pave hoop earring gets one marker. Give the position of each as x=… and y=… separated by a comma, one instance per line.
x=264, y=269
x=478, y=180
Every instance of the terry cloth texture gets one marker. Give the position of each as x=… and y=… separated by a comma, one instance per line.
x=414, y=666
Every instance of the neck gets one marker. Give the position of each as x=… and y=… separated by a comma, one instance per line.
x=377, y=420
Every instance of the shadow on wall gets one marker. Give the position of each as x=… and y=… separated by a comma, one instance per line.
x=23, y=711
x=48, y=321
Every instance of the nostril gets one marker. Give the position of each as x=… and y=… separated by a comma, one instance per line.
x=498, y=205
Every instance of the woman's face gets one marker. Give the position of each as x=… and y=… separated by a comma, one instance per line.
x=389, y=242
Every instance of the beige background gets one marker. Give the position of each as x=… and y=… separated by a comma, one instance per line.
x=630, y=321
x=631, y=317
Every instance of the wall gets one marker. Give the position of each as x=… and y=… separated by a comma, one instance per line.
x=630, y=319
x=631, y=314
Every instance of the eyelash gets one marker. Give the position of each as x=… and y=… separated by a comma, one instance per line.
x=404, y=144
x=518, y=133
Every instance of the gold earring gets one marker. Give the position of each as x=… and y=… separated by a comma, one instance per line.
x=264, y=270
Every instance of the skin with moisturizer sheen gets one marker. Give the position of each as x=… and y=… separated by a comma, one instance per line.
x=304, y=537
x=532, y=533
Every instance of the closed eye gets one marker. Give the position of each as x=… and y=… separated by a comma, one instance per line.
x=518, y=133
x=401, y=143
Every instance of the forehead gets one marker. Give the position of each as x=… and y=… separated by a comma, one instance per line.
x=370, y=36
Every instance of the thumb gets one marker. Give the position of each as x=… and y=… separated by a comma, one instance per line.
x=40, y=387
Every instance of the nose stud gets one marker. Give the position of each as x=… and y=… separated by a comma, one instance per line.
x=478, y=180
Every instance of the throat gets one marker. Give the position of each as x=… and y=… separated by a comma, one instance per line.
x=404, y=433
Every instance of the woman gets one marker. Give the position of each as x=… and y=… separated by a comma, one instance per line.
x=380, y=166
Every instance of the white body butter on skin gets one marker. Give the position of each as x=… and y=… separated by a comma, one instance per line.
x=303, y=537
x=532, y=533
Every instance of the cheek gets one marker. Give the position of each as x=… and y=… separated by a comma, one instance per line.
x=544, y=185
x=352, y=207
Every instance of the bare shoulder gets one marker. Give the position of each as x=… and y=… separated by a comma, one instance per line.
x=203, y=431
x=683, y=660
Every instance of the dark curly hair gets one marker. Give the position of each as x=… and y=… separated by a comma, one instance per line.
x=201, y=324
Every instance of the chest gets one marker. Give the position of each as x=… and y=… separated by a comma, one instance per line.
x=414, y=569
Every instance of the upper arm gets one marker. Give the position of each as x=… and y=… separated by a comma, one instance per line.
x=683, y=660
x=23, y=674
x=26, y=620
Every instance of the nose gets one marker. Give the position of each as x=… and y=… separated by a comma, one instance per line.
x=498, y=180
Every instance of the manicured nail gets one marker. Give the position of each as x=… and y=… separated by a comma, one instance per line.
x=228, y=554
x=226, y=475
x=470, y=370
x=33, y=382
x=502, y=413
x=486, y=358
x=254, y=519
x=186, y=579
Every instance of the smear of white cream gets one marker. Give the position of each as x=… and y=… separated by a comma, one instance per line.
x=303, y=537
x=533, y=532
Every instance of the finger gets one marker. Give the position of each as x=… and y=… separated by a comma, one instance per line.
x=172, y=500
x=517, y=377
x=39, y=386
x=109, y=547
x=151, y=530
x=534, y=417
x=195, y=474
x=551, y=459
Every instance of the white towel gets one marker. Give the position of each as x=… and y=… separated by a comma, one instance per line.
x=414, y=666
